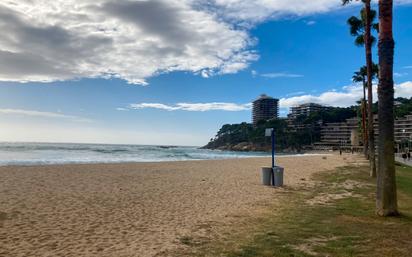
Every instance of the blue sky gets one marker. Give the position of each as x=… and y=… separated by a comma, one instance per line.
x=160, y=94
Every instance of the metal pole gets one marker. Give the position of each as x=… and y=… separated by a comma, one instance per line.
x=273, y=157
x=273, y=148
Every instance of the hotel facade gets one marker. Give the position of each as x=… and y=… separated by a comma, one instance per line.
x=265, y=108
x=305, y=110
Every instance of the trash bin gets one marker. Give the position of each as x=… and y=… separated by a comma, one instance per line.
x=267, y=176
x=278, y=172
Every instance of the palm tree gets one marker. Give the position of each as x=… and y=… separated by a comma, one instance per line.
x=361, y=77
x=386, y=198
x=361, y=29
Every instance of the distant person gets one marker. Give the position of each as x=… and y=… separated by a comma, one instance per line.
x=409, y=156
x=340, y=151
x=404, y=156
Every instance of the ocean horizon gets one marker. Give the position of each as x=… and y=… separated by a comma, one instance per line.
x=32, y=153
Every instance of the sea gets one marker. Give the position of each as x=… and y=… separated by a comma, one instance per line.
x=68, y=153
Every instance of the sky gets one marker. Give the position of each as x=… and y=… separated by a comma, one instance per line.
x=172, y=72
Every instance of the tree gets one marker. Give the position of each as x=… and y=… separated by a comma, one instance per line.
x=361, y=29
x=361, y=76
x=386, y=198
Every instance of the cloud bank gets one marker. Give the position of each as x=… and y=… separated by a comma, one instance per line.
x=44, y=41
x=281, y=75
x=53, y=115
x=194, y=107
x=348, y=96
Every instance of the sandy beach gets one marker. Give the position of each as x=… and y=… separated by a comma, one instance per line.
x=137, y=209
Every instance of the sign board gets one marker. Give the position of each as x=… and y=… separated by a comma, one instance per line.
x=268, y=132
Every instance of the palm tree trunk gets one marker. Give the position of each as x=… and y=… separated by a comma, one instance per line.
x=368, y=48
x=386, y=198
x=365, y=133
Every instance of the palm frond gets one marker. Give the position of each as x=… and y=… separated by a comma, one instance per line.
x=375, y=26
x=372, y=16
x=355, y=25
x=360, y=40
x=357, y=77
x=375, y=70
x=363, y=70
x=362, y=15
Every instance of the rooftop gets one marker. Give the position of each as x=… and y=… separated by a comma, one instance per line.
x=263, y=96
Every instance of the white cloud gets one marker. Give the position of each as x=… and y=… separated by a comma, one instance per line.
x=402, y=2
x=400, y=74
x=343, y=98
x=310, y=23
x=296, y=93
x=133, y=40
x=153, y=106
x=194, y=107
x=260, y=10
x=52, y=115
x=276, y=74
x=404, y=90
x=281, y=75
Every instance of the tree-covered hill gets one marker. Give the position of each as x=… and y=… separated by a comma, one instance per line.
x=246, y=137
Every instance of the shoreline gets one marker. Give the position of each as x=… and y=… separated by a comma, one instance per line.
x=277, y=155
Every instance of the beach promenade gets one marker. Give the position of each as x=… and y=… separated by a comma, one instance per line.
x=399, y=159
x=140, y=209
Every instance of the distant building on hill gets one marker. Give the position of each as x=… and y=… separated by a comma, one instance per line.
x=403, y=128
x=340, y=134
x=348, y=134
x=265, y=108
x=305, y=109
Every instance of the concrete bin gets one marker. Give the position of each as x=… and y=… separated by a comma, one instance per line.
x=267, y=176
x=278, y=172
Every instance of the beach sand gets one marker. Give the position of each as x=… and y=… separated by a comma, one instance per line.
x=137, y=209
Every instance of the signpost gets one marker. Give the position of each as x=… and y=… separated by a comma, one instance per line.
x=270, y=132
x=272, y=175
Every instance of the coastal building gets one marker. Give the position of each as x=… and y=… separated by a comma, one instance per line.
x=305, y=109
x=265, y=108
x=347, y=134
x=340, y=134
x=403, y=128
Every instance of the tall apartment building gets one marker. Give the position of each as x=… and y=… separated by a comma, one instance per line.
x=265, y=108
x=304, y=109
